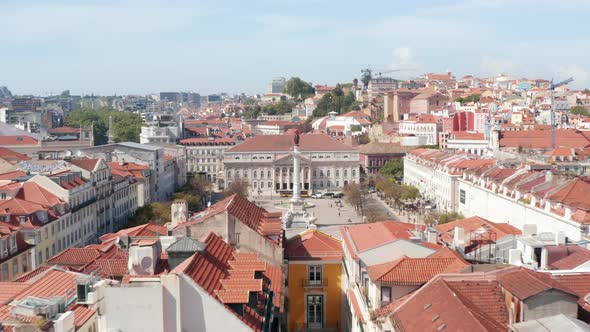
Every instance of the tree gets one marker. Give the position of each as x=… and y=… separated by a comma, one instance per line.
x=394, y=169
x=580, y=110
x=355, y=194
x=409, y=192
x=157, y=213
x=450, y=217
x=336, y=101
x=471, y=98
x=239, y=187
x=126, y=125
x=299, y=89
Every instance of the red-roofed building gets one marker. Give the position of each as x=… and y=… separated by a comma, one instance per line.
x=528, y=195
x=36, y=214
x=477, y=237
x=15, y=253
x=366, y=245
x=315, y=269
x=11, y=156
x=266, y=162
x=436, y=172
x=240, y=223
x=141, y=174
x=31, y=304
x=216, y=287
x=485, y=302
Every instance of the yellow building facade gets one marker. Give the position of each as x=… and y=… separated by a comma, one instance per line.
x=314, y=282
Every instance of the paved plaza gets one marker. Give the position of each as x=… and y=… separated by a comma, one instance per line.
x=329, y=217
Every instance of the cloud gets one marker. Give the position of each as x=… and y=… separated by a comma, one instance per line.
x=580, y=74
x=403, y=59
x=494, y=66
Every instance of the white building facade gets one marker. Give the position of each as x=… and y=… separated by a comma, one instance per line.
x=266, y=163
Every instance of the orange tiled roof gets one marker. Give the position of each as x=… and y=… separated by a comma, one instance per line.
x=264, y=223
x=414, y=271
x=85, y=163
x=12, y=156
x=313, y=244
x=308, y=142
x=362, y=237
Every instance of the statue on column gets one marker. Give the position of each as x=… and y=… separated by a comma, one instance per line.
x=296, y=138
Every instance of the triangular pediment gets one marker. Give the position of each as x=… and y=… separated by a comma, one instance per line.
x=288, y=160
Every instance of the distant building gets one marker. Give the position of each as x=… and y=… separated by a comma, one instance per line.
x=160, y=128
x=375, y=155
x=381, y=85
x=266, y=162
x=277, y=85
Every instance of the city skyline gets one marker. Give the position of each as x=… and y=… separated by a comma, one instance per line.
x=118, y=47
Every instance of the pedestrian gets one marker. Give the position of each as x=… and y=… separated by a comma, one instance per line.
x=338, y=213
x=330, y=205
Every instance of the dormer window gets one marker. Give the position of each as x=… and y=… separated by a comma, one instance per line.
x=2, y=195
x=22, y=219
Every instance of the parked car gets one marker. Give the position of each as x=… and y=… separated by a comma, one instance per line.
x=328, y=195
x=316, y=195
x=338, y=195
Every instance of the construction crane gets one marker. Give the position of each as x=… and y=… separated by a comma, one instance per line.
x=367, y=74
x=552, y=88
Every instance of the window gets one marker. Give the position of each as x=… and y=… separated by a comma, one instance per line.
x=5, y=272
x=385, y=295
x=353, y=172
x=270, y=184
x=345, y=173
x=254, y=173
x=268, y=174
x=2, y=195
x=328, y=173
x=25, y=263
x=22, y=219
x=315, y=274
x=14, y=267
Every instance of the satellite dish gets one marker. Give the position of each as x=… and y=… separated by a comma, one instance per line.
x=146, y=263
x=68, y=153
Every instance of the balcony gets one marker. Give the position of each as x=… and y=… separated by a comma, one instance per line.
x=306, y=283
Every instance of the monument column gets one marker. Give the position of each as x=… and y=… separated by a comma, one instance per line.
x=296, y=216
x=296, y=174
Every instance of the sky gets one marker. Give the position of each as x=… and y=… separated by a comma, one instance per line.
x=234, y=46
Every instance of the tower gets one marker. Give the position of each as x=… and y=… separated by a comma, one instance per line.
x=111, y=140
x=179, y=211
x=296, y=216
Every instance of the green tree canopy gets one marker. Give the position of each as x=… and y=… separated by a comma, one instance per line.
x=393, y=169
x=580, y=110
x=126, y=125
x=297, y=88
x=471, y=98
x=336, y=101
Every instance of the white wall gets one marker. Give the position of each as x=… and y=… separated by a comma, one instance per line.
x=501, y=209
x=135, y=308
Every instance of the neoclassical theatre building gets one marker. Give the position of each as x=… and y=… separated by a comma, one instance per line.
x=266, y=162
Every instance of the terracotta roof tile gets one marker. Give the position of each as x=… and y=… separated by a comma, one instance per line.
x=308, y=142
x=85, y=163
x=414, y=271
x=313, y=245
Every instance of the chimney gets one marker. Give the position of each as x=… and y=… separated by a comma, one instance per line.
x=459, y=238
x=529, y=230
x=143, y=256
x=238, y=308
x=559, y=238
x=515, y=257
x=432, y=236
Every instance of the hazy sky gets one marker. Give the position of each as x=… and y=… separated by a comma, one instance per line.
x=141, y=46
